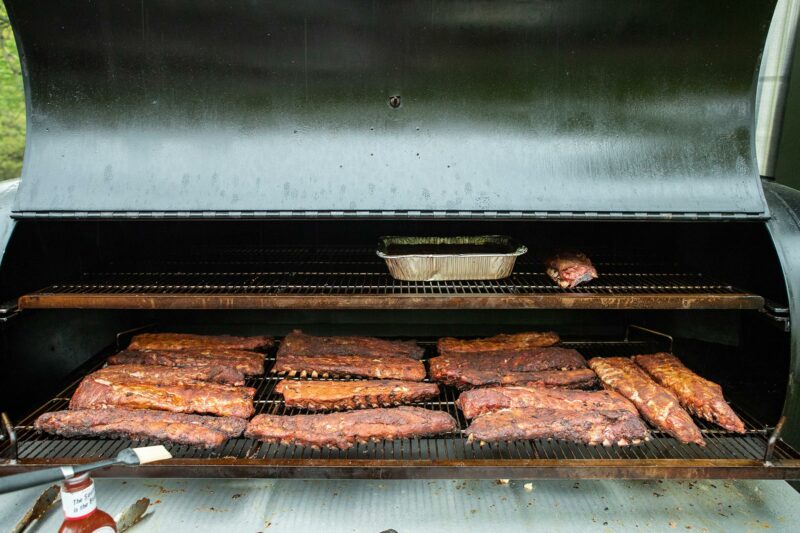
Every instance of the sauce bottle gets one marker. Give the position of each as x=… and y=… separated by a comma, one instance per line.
x=81, y=514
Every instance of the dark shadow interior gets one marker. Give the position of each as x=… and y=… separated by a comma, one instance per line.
x=41, y=253
x=42, y=347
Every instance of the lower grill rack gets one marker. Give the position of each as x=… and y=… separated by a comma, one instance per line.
x=726, y=455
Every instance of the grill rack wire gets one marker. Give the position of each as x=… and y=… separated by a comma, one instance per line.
x=291, y=277
x=655, y=458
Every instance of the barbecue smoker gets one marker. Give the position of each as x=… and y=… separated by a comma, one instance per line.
x=228, y=167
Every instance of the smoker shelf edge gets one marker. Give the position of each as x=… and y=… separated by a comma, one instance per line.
x=734, y=301
x=453, y=469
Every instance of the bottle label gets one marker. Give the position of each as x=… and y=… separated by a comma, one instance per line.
x=105, y=529
x=80, y=503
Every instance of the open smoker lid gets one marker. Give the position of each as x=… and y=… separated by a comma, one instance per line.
x=537, y=108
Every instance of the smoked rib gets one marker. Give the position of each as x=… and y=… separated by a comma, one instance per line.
x=104, y=391
x=299, y=343
x=248, y=363
x=171, y=376
x=465, y=370
x=346, y=429
x=533, y=360
x=656, y=404
x=187, y=341
x=609, y=427
x=464, y=379
x=402, y=368
x=194, y=430
x=699, y=396
x=337, y=395
x=504, y=344
x=476, y=402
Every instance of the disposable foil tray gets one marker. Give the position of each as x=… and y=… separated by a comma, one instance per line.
x=450, y=258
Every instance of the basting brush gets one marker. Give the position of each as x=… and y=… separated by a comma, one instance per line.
x=128, y=457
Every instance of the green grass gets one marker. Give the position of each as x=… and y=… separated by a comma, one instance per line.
x=12, y=103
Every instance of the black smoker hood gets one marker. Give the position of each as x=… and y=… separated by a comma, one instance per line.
x=576, y=108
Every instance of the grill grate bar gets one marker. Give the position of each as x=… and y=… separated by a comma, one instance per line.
x=343, y=282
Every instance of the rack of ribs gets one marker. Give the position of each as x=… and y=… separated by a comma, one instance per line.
x=346, y=429
x=103, y=390
x=697, y=395
x=619, y=427
x=499, y=344
x=298, y=343
x=171, y=376
x=338, y=395
x=365, y=366
x=248, y=363
x=583, y=378
x=570, y=269
x=656, y=404
x=194, y=430
x=187, y=341
x=465, y=370
x=476, y=402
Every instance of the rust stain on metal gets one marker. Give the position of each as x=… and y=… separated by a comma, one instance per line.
x=443, y=469
x=741, y=301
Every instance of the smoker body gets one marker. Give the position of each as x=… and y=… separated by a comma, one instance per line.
x=227, y=167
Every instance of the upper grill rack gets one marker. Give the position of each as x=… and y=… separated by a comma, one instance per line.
x=356, y=279
x=726, y=454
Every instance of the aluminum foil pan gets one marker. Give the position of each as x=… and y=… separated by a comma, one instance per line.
x=450, y=258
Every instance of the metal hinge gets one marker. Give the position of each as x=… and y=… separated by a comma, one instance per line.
x=402, y=213
x=9, y=434
x=777, y=314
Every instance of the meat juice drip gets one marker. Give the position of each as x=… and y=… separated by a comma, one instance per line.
x=81, y=514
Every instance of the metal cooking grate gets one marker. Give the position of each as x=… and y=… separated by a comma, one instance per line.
x=356, y=278
x=726, y=454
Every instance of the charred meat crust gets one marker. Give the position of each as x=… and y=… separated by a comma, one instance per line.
x=345, y=430
x=340, y=395
x=475, y=369
x=194, y=430
x=171, y=376
x=299, y=343
x=402, y=368
x=187, y=397
x=583, y=378
x=476, y=402
x=534, y=360
x=248, y=363
x=655, y=403
x=499, y=344
x=187, y=341
x=699, y=396
x=619, y=427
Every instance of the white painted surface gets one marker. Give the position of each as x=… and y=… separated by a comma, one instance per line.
x=296, y=506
